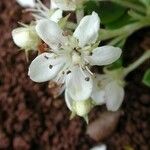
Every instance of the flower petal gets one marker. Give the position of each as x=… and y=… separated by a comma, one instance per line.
x=26, y=38
x=98, y=96
x=53, y=4
x=67, y=5
x=21, y=36
x=87, y=31
x=50, y=33
x=99, y=147
x=114, y=96
x=98, y=92
x=26, y=3
x=56, y=16
x=44, y=67
x=104, y=55
x=79, y=86
x=68, y=100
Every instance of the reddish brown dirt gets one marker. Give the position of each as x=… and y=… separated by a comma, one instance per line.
x=30, y=119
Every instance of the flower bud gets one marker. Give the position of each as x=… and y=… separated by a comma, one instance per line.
x=26, y=38
x=82, y=108
x=67, y=5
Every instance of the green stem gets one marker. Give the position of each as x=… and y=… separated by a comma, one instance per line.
x=137, y=63
x=125, y=30
x=135, y=15
x=117, y=40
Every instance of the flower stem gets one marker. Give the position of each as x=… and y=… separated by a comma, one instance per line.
x=125, y=30
x=137, y=63
x=117, y=40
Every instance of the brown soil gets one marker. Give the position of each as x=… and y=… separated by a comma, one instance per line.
x=30, y=119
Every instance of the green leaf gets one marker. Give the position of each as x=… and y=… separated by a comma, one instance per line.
x=114, y=20
x=145, y=2
x=121, y=21
x=91, y=6
x=134, y=1
x=109, y=12
x=146, y=78
x=105, y=9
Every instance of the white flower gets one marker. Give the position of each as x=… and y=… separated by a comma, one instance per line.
x=26, y=37
x=70, y=59
x=67, y=5
x=108, y=90
x=26, y=3
x=42, y=12
x=99, y=147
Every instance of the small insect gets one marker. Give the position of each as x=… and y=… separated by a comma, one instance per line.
x=87, y=79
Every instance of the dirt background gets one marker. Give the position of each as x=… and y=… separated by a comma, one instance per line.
x=30, y=119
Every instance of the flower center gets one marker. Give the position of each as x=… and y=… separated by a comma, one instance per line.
x=76, y=58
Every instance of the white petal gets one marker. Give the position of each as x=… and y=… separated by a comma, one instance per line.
x=26, y=3
x=104, y=55
x=98, y=92
x=77, y=85
x=26, y=38
x=68, y=100
x=114, y=96
x=67, y=5
x=53, y=4
x=99, y=147
x=56, y=16
x=40, y=70
x=98, y=96
x=50, y=33
x=21, y=36
x=87, y=31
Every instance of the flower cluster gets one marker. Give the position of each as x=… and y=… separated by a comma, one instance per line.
x=69, y=56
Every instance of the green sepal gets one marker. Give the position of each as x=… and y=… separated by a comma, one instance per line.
x=86, y=118
x=73, y=114
x=63, y=21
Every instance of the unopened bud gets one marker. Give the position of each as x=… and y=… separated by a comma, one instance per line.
x=26, y=38
x=82, y=108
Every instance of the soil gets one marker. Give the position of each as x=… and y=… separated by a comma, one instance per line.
x=31, y=119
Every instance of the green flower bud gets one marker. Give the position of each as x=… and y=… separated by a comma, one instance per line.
x=82, y=108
